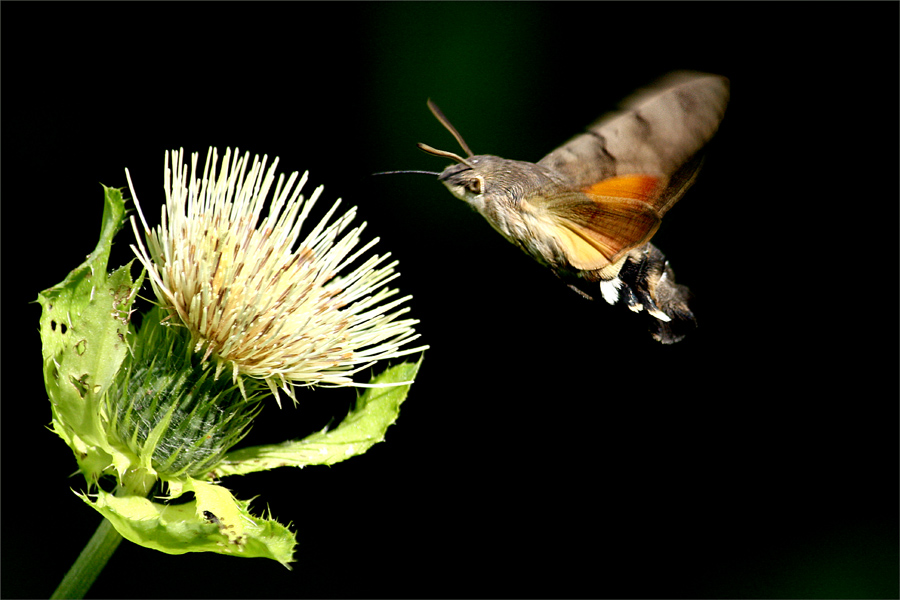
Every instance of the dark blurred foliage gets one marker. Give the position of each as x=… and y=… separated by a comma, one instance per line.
x=549, y=447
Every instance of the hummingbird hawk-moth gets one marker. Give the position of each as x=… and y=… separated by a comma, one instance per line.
x=588, y=209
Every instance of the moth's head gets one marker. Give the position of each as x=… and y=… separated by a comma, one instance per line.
x=496, y=188
x=473, y=178
x=491, y=185
x=466, y=179
x=462, y=180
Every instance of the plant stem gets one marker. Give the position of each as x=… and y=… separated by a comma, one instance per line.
x=90, y=562
x=87, y=567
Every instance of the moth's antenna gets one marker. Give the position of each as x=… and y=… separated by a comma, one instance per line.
x=445, y=154
x=446, y=123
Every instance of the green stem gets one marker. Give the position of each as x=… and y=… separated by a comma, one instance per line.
x=90, y=562
x=103, y=543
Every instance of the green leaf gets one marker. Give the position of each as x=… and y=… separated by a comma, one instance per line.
x=376, y=409
x=84, y=324
x=215, y=521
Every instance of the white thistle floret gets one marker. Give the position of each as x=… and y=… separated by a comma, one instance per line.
x=253, y=298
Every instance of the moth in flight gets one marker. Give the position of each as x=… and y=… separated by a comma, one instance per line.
x=588, y=209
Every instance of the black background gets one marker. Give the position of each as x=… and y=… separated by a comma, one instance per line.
x=548, y=448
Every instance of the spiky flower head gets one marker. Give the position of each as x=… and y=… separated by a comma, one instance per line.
x=143, y=404
x=258, y=297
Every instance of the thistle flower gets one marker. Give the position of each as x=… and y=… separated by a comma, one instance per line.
x=237, y=292
x=254, y=300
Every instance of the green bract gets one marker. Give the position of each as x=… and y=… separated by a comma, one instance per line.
x=138, y=406
x=215, y=521
x=168, y=408
x=85, y=324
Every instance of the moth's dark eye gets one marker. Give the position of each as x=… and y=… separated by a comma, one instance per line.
x=476, y=186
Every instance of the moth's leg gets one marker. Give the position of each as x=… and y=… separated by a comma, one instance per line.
x=580, y=291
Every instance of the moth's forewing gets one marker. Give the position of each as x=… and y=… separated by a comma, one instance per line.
x=630, y=167
x=657, y=131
